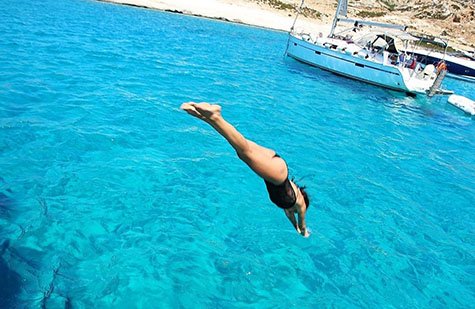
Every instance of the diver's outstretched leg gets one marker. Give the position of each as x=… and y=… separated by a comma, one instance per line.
x=260, y=159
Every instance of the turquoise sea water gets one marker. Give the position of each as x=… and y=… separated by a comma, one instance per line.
x=110, y=196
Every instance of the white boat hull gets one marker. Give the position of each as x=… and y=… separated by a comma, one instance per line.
x=353, y=66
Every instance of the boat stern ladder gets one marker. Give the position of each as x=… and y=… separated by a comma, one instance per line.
x=438, y=81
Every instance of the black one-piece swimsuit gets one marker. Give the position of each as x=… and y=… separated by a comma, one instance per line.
x=283, y=194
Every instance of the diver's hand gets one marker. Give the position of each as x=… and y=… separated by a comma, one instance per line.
x=304, y=233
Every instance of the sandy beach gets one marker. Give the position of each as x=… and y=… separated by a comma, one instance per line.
x=262, y=15
x=233, y=11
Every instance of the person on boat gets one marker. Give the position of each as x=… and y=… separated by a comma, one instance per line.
x=413, y=64
x=392, y=59
x=402, y=59
x=441, y=66
x=265, y=162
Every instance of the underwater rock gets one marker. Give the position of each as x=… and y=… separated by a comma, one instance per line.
x=10, y=286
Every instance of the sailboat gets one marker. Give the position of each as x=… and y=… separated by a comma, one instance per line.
x=369, y=52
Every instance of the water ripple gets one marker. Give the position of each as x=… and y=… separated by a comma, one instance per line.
x=111, y=196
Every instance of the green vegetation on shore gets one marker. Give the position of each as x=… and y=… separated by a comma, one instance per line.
x=308, y=12
x=365, y=14
x=388, y=4
x=277, y=4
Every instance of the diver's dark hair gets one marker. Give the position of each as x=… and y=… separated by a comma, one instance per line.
x=305, y=197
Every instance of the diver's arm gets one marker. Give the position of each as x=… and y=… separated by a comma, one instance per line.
x=302, y=228
x=290, y=215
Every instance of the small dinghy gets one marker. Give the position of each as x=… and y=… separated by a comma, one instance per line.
x=463, y=103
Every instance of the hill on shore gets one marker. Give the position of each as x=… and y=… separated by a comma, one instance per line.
x=453, y=20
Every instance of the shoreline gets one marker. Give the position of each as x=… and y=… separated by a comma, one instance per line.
x=237, y=12
x=245, y=13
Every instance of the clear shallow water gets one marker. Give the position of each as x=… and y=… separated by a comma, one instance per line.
x=112, y=197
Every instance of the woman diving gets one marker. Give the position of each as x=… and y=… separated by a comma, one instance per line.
x=263, y=161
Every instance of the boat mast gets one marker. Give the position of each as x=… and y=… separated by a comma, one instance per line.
x=342, y=9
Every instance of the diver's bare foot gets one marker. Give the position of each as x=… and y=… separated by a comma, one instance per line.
x=204, y=111
x=211, y=112
x=190, y=109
